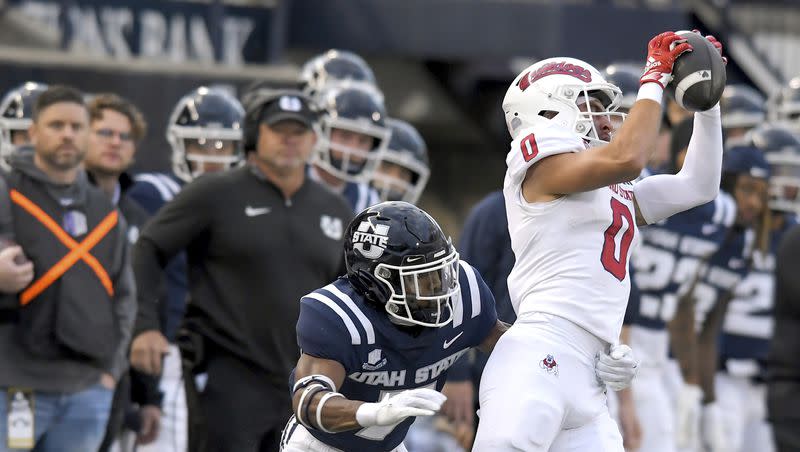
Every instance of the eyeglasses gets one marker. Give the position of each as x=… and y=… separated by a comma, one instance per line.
x=109, y=134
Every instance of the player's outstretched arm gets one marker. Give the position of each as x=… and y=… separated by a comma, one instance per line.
x=661, y=196
x=623, y=159
x=318, y=406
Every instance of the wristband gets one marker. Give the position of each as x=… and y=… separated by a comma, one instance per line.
x=652, y=91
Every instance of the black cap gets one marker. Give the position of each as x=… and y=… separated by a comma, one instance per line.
x=285, y=107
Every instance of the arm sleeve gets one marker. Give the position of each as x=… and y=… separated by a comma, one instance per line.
x=663, y=195
x=536, y=143
x=176, y=225
x=124, y=303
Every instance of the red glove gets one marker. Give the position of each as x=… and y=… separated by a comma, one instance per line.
x=717, y=45
x=662, y=52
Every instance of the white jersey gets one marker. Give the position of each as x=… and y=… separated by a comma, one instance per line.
x=571, y=253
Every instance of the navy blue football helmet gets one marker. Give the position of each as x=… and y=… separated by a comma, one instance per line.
x=353, y=109
x=742, y=107
x=330, y=69
x=16, y=116
x=408, y=153
x=208, y=119
x=781, y=148
x=399, y=258
x=784, y=107
x=624, y=76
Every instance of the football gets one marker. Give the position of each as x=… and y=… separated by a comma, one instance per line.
x=18, y=259
x=698, y=77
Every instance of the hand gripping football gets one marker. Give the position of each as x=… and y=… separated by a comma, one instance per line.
x=698, y=77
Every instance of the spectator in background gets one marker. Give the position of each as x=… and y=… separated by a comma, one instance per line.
x=783, y=394
x=258, y=238
x=205, y=134
x=115, y=127
x=68, y=336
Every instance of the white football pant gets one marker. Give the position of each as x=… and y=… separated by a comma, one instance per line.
x=539, y=391
x=744, y=413
x=651, y=397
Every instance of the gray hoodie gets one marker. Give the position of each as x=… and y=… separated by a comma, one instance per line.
x=21, y=369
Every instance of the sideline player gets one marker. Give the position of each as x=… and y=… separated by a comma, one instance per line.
x=571, y=210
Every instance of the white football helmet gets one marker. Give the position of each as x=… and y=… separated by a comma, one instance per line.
x=551, y=91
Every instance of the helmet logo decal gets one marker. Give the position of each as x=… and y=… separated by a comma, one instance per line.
x=290, y=103
x=371, y=240
x=562, y=68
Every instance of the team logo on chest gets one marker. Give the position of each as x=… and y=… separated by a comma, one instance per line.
x=371, y=240
x=374, y=360
x=331, y=227
x=549, y=364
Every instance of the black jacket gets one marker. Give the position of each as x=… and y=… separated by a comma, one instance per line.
x=252, y=255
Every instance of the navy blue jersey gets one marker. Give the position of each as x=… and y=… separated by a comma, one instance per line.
x=360, y=196
x=379, y=358
x=152, y=191
x=749, y=323
x=723, y=273
x=669, y=259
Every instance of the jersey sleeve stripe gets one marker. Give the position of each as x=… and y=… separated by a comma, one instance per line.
x=159, y=185
x=355, y=337
x=170, y=183
x=352, y=306
x=474, y=292
x=458, y=310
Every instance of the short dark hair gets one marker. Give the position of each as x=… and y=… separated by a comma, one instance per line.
x=110, y=101
x=56, y=94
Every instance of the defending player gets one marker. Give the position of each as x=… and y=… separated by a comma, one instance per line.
x=377, y=343
x=571, y=210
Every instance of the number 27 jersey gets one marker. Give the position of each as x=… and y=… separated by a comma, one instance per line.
x=571, y=253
